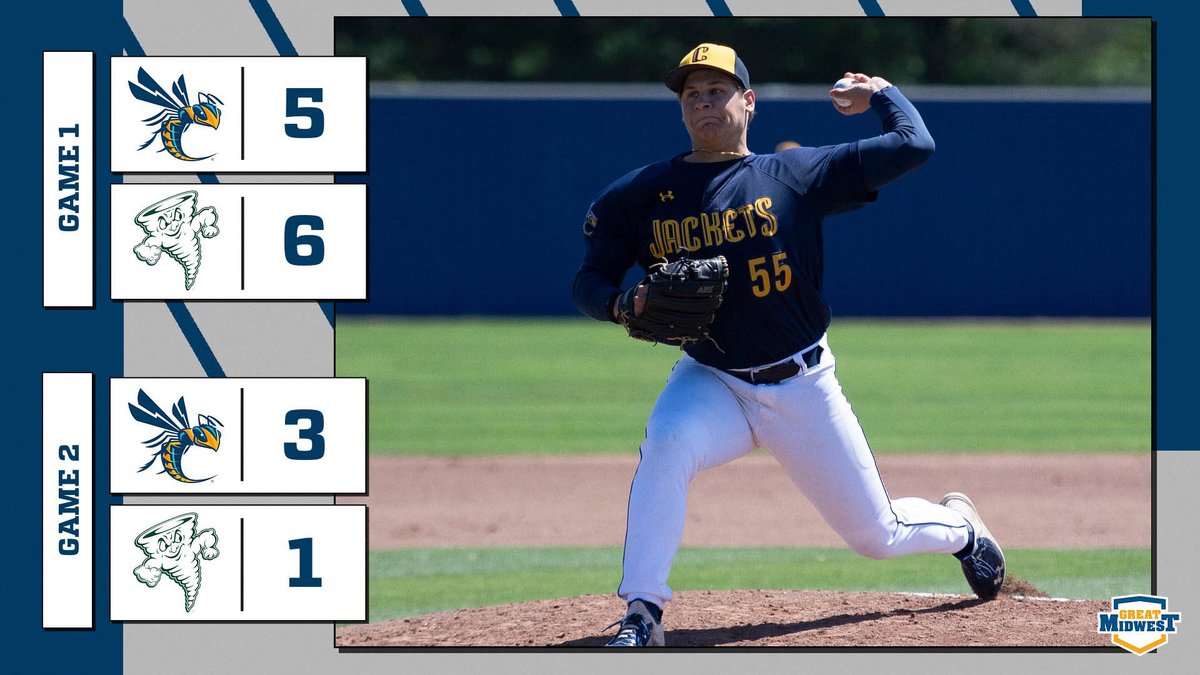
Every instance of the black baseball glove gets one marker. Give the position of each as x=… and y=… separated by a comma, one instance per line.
x=682, y=298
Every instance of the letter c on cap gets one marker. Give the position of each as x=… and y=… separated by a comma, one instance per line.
x=698, y=55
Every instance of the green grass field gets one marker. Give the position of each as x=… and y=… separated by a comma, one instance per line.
x=418, y=581
x=492, y=387
x=500, y=386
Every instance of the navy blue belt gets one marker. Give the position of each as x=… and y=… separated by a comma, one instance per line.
x=780, y=371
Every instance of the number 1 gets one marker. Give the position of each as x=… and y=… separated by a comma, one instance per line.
x=306, y=579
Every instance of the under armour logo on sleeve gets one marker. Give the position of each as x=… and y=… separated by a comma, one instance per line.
x=589, y=223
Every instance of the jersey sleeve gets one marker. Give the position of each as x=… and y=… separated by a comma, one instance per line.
x=830, y=177
x=610, y=249
x=905, y=144
x=847, y=176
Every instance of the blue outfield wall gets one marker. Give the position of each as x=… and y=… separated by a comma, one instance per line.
x=1028, y=208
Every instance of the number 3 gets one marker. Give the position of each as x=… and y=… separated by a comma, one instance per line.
x=761, y=278
x=312, y=434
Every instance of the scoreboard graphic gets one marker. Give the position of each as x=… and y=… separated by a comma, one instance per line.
x=184, y=437
x=193, y=244
x=239, y=242
x=224, y=114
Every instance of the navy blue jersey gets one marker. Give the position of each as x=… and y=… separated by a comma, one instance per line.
x=764, y=214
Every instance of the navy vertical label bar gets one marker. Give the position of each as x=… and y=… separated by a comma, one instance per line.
x=63, y=341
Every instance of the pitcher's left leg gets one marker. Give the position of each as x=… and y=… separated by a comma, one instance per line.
x=812, y=432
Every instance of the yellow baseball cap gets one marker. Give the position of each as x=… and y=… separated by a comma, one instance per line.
x=708, y=55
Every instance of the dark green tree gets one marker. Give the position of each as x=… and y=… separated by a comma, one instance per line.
x=1060, y=51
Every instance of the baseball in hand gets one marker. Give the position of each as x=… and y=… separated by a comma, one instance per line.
x=842, y=84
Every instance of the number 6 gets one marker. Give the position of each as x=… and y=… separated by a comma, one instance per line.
x=293, y=240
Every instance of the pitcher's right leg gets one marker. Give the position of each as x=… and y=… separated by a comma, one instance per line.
x=697, y=423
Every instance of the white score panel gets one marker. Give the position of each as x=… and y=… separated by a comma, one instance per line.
x=239, y=242
x=239, y=563
x=239, y=114
x=238, y=435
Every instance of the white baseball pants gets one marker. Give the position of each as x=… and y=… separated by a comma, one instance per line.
x=705, y=417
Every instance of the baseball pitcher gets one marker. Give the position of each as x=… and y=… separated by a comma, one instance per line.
x=731, y=243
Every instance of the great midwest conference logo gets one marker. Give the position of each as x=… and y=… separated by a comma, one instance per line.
x=1138, y=623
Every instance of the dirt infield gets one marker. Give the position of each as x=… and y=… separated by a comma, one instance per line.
x=766, y=618
x=1029, y=501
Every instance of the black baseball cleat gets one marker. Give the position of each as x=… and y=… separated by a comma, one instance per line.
x=638, y=629
x=984, y=565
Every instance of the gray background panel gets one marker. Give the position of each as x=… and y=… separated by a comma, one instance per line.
x=296, y=339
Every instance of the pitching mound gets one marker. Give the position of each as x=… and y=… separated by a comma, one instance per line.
x=759, y=618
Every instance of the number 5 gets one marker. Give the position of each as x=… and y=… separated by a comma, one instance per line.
x=762, y=278
x=783, y=273
x=316, y=117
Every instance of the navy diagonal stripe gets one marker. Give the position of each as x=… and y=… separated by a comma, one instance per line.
x=566, y=7
x=719, y=8
x=270, y=22
x=870, y=7
x=187, y=325
x=1024, y=8
x=283, y=45
x=414, y=8
x=132, y=46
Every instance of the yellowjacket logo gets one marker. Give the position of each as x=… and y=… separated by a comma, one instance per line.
x=713, y=228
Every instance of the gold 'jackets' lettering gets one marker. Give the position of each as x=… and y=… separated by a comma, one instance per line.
x=713, y=228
